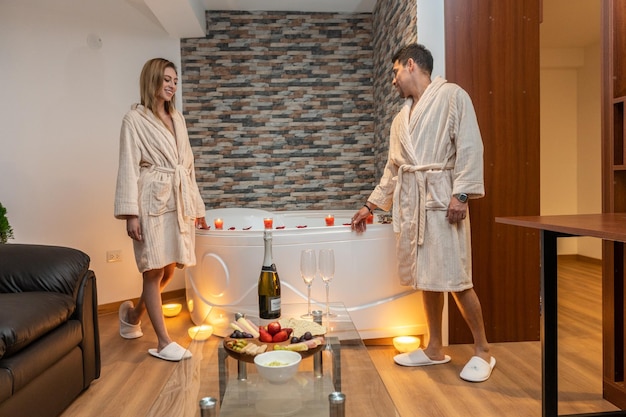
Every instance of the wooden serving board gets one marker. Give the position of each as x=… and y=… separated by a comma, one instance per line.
x=270, y=346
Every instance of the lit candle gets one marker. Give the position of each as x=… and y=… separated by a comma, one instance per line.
x=220, y=321
x=219, y=223
x=172, y=309
x=370, y=219
x=405, y=344
x=268, y=222
x=202, y=332
x=330, y=220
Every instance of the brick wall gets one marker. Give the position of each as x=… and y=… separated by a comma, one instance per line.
x=280, y=106
x=394, y=25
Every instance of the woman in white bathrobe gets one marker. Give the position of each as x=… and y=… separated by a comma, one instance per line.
x=158, y=197
x=435, y=165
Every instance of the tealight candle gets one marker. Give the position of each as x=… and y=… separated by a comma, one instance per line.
x=172, y=309
x=202, y=332
x=268, y=222
x=405, y=344
x=220, y=320
x=219, y=223
x=330, y=220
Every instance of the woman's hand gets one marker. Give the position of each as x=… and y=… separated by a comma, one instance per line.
x=133, y=228
x=201, y=223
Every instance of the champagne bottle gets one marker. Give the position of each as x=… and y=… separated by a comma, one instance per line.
x=269, y=283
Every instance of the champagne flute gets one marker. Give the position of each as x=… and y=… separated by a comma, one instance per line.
x=327, y=272
x=308, y=270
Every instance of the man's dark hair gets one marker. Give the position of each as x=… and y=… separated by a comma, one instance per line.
x=422, y=56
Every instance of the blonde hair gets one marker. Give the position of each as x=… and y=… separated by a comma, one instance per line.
x=151, y=82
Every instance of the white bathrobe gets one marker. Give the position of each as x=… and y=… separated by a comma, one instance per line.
x=434, y=152
x=156, y=181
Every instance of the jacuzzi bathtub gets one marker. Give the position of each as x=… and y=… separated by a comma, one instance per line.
x=229, y=262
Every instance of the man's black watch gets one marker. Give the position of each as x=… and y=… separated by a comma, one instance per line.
x=462, y=197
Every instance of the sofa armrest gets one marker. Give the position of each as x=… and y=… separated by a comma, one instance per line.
x=30, y=268
x=27, y=268
x=87, y=313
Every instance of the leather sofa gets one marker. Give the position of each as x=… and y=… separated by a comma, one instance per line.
x=49, y=341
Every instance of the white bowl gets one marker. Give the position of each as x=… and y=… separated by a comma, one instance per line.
x=278, y=374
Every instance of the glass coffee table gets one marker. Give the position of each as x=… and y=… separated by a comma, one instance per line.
x=343, y=366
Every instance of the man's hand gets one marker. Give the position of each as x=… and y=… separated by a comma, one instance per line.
x=456, y=211
x=359, y=220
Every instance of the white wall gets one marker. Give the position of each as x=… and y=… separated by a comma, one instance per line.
x=60, y=117
x=571, y=139
x=431, y=32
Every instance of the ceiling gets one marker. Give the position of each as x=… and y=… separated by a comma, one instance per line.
x=566, y=23
x=351, y=6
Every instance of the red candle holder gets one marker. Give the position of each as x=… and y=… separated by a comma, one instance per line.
x=219, y=224
x=268, y=222
x=370, y=219
x=330, y=220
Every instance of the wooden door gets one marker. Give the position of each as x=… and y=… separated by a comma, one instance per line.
x=492, y=51
x=613, y=196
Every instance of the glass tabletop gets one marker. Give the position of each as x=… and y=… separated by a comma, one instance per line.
x=342, y=366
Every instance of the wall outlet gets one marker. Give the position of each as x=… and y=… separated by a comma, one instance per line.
x=114, y=256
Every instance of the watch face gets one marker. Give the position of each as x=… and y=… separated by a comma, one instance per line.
x=462, y=197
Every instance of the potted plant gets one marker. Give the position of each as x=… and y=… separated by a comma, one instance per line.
x=6, y=232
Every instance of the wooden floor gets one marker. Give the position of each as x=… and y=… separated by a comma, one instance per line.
x=131, y=378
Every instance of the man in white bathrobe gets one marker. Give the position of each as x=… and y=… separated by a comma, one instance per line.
x=434, y=166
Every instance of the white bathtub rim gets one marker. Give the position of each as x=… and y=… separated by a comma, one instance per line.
x=299, y=293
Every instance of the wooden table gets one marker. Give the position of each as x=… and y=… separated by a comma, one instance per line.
x=610, y=227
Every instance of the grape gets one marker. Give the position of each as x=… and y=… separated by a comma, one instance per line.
x=307, y=336
x=294, y=340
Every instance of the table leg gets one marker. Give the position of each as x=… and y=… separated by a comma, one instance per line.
x=335, y=347
x=549, y=325
x=222, y=356
x=318, y=370
x=242, y=371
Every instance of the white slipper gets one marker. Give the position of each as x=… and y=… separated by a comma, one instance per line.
x=172, y=352
x=418, y=358
x=477, y=369
x=127, y=330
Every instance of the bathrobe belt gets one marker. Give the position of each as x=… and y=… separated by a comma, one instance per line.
x=409, y=201
x=182, y=193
